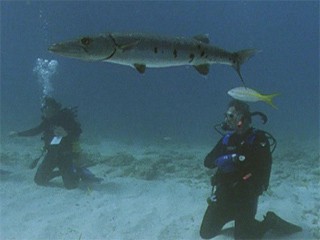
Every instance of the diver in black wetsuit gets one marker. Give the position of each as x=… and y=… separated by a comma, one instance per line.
x=61, y=132
x=243, y=161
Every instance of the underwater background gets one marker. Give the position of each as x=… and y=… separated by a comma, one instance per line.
x=176, y=104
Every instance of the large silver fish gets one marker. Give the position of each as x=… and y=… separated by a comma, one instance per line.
x=141, y=50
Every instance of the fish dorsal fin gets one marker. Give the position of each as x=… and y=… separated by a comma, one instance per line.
x=203, y=69
x=202, y=38
x=141, y=68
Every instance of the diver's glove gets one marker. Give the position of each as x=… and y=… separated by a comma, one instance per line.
x=227, y=162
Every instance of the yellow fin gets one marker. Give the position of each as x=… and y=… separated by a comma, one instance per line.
x=268, y=99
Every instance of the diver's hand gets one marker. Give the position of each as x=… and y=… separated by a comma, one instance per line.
x=13, y=134
x=229, y=162
x=59, y=131
x=226, y=163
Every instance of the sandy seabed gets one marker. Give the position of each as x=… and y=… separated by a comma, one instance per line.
x=148, y=192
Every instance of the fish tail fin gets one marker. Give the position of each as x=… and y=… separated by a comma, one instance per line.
x=240, y=57
x=268, y=99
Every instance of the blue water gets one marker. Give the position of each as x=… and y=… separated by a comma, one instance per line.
x=117, y=102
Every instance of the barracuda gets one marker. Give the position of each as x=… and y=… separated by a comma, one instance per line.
x=141, y=50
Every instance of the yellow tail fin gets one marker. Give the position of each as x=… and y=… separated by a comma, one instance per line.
x=268, y=99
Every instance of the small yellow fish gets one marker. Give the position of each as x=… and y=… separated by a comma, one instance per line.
x=249, y=95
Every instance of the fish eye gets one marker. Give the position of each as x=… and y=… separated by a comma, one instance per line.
x=86, y=41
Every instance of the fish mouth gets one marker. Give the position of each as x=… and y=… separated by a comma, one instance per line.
x=75, y=50
x=67, y=50
x=59, y=48
x=53, y=48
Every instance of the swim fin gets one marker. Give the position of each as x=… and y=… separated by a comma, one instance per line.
x=87, y=176
x=281, y=226
x=54, y=174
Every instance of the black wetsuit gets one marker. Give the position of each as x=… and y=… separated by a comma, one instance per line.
x=237, y=190
x=60, y=155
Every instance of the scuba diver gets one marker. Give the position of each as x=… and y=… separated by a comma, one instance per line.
x=243, y=158
x=61, y=132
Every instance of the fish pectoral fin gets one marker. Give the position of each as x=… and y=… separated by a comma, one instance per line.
x=141, y=68
x=202, y=38
x=128, y=46
x=203, y=69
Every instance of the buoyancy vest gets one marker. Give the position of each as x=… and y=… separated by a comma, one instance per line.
x=248, y=141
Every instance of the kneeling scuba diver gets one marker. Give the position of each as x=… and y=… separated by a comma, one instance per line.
x=243, y=161
x=83, y=172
